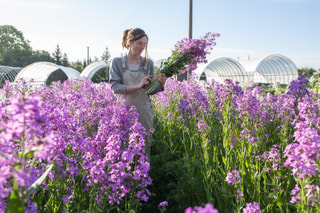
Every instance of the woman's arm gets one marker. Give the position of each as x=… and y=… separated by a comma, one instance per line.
x=116, y=77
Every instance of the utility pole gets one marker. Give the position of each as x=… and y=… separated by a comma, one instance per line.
x=87, y=56
x=190, y=19
x=184, y=76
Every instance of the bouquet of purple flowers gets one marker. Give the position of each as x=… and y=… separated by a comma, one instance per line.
x=186, y=55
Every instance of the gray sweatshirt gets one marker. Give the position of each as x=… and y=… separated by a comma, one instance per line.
x=116, y=75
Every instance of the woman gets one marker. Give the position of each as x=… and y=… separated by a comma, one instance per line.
x=131, y=73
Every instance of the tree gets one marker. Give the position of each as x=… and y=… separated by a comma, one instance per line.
x=78, y=65
x=59, y=58
x=95, y=59
x=40, y=55
x=15, y=50
x=57, y=55
x=65, y=61
x=106, y=55
x=308, y=72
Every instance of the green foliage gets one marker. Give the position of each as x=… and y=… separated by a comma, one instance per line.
x=78, y=65
x=156, y=69
x=101, y=75
x=16, y=58
x=16, y=203
x=106, y=55
x=308, y=72
x=57, y=55
x=40, y=55
x=315, y=83
x=12, y=39
x=65, y=61
x=16, y=51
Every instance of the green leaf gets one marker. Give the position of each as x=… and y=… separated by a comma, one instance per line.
x=33, y=150
x=15, y=205
x=318, y=207
x=38, y=182
x=3, y=155
x=279, y=203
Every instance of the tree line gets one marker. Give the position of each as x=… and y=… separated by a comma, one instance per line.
x=16, y=51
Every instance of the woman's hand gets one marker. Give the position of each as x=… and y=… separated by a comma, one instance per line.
x=161, y=78
x=145, y=81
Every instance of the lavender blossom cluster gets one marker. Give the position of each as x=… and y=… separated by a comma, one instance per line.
x=23, y=133
x=84, y=130
x=195, y=50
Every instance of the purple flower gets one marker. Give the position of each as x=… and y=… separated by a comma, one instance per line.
x=163, y=204
x=240, y=194
x=202, y=125
x=298, y=88
x=170, y=115
x=25, y=144
x=198, y=209
x=232, y=176
x=194, y=51
x=252, y=208
x=85, y=130
x=303, y=154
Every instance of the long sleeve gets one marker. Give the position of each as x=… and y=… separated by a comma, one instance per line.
x=116, y=77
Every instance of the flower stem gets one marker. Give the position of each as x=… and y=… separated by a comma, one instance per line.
x=152, y=86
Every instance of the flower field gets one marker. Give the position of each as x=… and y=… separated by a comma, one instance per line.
x=75, y=147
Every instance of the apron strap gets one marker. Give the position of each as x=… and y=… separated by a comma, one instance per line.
x=146, y=66
x=123, y=62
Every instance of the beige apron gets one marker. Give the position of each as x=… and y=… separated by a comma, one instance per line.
x=140, y=100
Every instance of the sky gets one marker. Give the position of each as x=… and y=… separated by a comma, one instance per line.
x=249, y=29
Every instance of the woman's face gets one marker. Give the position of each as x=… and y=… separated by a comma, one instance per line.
x=139, y=45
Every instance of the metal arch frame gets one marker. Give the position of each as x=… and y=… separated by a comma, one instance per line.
x=280, y=69
x=277, y=69
x=223, y=67
x=70, y=72
x=271, y=69
x=265, y=69
x=290, y=68
x=93, y=68
x=240, y=68
x=46, y=68
x=8, y=73
x=283, y=71
x=27, y=73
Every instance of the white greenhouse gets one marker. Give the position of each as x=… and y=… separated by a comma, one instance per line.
x=224, y=68
x=271, y=69
x=8, y=73
x=96, y=72
x=44, y=73
x=268, y=70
